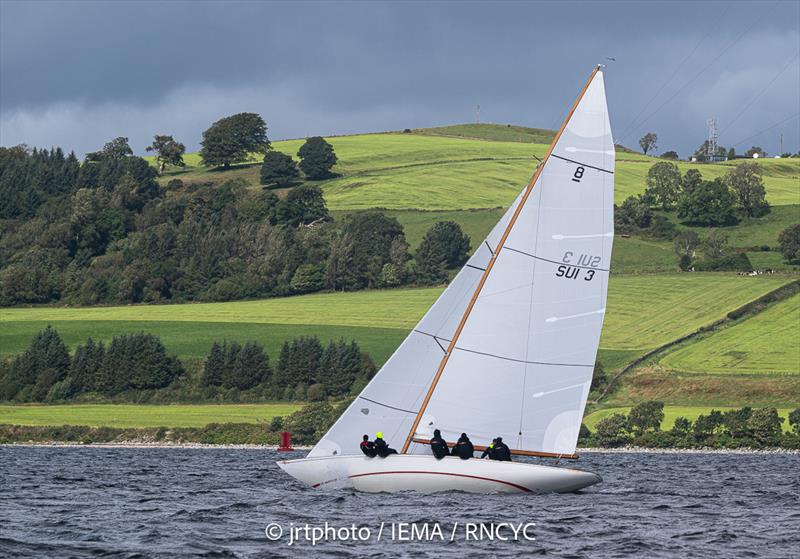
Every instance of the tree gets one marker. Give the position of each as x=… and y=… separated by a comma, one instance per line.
x=118, y=148
x=707, y=425
x=599, y=378
x=303, y=205
x=715, y=245
x=43, y=364
x=794, y=420
x=645, y=416
x=745, y=182
x=633, y=214
x=87, y=361
x=691, y=180
x=431, y=259
x=755, y=150
x=736, y=422
x=731, y=154
x=681, y=427
x=648, y=142
x=278, y=169
x=765, y=424
x=372, y=234
x=789, y=243
x=340, y=273
x=214, y=366
x=316, y=158
x=663, y=184
x=308, y=278
x=340, y=365
x=709, y=203
x=168, y=152
x=233, y=139
x=612, y=431
x=686, y=243
x=250, y=368
x=671, y=155
x=454, y=242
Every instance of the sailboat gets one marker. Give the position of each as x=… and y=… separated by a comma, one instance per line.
x=509, y=347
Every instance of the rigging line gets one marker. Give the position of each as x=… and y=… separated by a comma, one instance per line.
x=526, y=194
x=760, y=93
x=386, y=405
x=702, y=71
x=674, y=73
x=766, y=129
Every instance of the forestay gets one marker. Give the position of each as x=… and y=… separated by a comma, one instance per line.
x=521, y=365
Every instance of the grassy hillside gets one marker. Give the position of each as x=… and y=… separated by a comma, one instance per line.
x=463, y=167
x=124, y=415
x=379, y=320
x=469, y=174
x=766, y=343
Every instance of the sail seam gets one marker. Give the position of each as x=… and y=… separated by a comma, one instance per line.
x=553, y=261
x=583, y=164
x=476, y=267
x=490, y=248
x=387, y=405
x=521, y=360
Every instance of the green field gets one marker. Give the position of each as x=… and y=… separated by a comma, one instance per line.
x=125, y=415
x=380, y=319
x=766, y=343
x=463, y=167
x=671, y=413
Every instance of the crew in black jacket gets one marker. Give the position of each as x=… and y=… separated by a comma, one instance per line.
x=439, y=445
x=463, y=448
x=381, y=447
x=368, y=447
x=501, y=451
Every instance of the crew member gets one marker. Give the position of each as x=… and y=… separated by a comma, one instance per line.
x=381, y=448
x=463, y=448
x=490, y=451
x=501, y=450
x=368, y=447
x=439, y=445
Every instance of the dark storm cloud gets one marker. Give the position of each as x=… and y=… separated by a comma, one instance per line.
x=78, y=73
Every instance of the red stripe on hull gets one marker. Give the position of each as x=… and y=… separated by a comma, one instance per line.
x=514, y=485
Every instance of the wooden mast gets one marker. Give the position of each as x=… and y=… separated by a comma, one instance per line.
x=492, y=260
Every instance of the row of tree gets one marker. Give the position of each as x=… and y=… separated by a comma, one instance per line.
x=305, y=370
x=744, y=427
x=46, y=372
x=739, y=192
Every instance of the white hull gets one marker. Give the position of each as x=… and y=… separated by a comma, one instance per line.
x=426, y=474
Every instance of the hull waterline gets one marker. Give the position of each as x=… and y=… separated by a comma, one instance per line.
x=426, y=474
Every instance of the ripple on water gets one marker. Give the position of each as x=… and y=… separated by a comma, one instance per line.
x=216, y=503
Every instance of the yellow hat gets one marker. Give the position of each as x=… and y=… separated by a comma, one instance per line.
x=378, y=435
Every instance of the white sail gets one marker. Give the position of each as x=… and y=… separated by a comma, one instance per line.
x=521, y=363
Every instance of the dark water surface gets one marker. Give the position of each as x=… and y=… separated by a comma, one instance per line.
x=115, y=502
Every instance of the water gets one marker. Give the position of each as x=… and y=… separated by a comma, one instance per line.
x=116, y=502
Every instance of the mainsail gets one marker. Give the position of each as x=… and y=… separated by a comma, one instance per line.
x=509, y=347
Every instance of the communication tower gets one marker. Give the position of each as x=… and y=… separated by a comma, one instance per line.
x=711, y=144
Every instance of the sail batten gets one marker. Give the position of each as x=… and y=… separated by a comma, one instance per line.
x=509, y=347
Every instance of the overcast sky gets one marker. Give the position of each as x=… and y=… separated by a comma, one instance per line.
x=75, y=74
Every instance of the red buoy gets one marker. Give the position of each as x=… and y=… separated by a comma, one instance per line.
x=286, y=443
